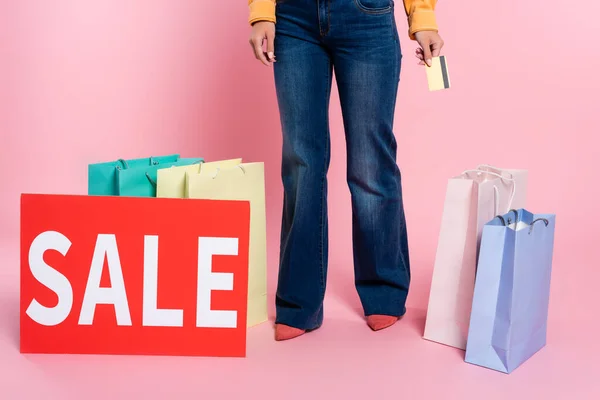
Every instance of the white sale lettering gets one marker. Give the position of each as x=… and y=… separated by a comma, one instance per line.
x=116, y=295
x=106, y=248
x=209, y=281
x=152, y=315
x=50, y=278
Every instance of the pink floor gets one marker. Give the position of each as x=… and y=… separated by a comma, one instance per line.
x=343, y=359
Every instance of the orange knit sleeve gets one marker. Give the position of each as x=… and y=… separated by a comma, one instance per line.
x=421, y=16
x=261, y=10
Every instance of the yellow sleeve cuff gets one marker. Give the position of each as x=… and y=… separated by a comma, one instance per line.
x=261, y=10
x=421, y=20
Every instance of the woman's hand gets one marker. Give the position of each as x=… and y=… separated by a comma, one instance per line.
x=431, y=44
x=261, y=31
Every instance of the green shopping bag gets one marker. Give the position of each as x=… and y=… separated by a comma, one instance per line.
x=141, y=182
x=102, y=177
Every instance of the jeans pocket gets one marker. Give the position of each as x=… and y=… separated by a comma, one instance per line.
x=375, y=6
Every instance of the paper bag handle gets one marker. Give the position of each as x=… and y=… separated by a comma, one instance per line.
x=152, y=181
x=123, y=162
x=240, y=166
x=546, y=222
x=496, y=192
x=504, y=223
x=491, y=168
x=516, y=216
x=125, y=165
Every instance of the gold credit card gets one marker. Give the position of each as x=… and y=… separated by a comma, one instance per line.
x=437, y=74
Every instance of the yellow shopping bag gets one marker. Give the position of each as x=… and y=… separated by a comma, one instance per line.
x=241, y=182
x=171, y=181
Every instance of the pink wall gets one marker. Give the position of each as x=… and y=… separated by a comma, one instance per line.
x=85, y=81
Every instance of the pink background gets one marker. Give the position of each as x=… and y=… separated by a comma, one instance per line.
x=87, y=81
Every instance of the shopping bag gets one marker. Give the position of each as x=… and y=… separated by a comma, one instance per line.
x=102, y=177
x=242, y=182
x=512, y=291
x=141, y=181
x=472, y=199
x=171, y=181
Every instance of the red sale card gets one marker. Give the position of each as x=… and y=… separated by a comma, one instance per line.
x=127, y=275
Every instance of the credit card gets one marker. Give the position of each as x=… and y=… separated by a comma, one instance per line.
x=437, y=74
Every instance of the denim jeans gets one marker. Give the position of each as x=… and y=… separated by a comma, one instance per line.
x=358, y=41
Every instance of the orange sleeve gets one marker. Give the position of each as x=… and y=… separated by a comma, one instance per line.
x=421, y=16
x=261, y=10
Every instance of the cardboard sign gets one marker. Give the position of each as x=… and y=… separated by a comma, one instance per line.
x=119, y=275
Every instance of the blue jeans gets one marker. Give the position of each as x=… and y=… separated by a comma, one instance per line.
x=358, y=40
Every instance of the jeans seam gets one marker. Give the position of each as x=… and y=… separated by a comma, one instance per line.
x=319, y=17
x=328, y=16
x=373, y=11
x=394, y=28
x=323, y=204
x=398, y=69
x=326, y=31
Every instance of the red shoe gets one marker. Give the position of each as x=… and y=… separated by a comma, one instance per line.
x=379, y=322
x=284, y=332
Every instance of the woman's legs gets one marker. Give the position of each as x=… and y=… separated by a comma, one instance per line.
x=303, y=75
x=313, y=35
x=366, y=56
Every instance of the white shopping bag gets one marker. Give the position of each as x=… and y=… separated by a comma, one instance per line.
x=472, y=199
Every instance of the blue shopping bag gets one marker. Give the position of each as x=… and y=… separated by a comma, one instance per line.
x=512, y=290
x=141, y=182
x=102, y=177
